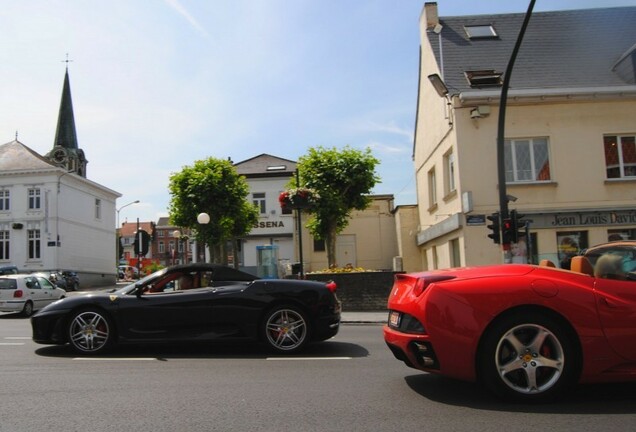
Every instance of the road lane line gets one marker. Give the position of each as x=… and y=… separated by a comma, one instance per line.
x=308, y=358
x=116, y=359
x=18, y=338
x=11, y=343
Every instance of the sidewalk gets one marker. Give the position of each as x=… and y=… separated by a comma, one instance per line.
x=370, y=317
x=350, y=317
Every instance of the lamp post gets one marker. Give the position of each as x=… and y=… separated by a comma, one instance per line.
x=120, y=209
x=203, y=219
x=181, y=246
x=117, y=238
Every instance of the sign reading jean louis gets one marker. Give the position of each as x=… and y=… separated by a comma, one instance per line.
x=583, y=219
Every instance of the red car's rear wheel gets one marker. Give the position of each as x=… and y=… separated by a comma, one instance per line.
x=528, y=357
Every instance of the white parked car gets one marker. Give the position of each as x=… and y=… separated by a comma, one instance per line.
x=27, y=293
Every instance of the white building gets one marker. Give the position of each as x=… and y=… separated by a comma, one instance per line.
x=51, y=216
x=267, y=177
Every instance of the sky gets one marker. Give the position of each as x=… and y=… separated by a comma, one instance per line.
x=160, y=84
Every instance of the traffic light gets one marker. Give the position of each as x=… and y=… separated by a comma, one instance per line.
x=495, y=235
x=518, y=228
x=142, y=242
x=507, y=236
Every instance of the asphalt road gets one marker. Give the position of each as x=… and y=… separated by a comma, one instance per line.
x=349, y=383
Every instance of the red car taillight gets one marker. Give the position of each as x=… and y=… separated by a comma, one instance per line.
x=18, y=294
x=331, y=286
x=423, y=282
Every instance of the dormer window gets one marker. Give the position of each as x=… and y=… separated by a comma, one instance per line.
x=480, y=31
x=483, y=78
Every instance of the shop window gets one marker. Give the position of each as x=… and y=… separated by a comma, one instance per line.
x=621, y=234
x=569, y=244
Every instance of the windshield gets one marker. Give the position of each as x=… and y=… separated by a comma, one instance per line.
x=130, y=288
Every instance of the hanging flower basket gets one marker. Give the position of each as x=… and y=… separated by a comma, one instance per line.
x=298, y=199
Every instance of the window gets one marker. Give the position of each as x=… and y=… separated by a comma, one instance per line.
x=480, y=31
x=171, y=245
x=258, y=199
x=569, y=244
x=449, y=173
x=319, y=245
x=98, y=208
x=527, y=160
x=34, y=243
x=456, y=260
x=432, y=189
x=5, y=202
x=162, y=246
x=483, y=78
x=160, y=233
x=34, y=199
x=621, y=234
x=620, y=156
x=4, y=244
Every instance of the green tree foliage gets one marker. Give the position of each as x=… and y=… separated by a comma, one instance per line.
x=214, y=187
x=343, y=179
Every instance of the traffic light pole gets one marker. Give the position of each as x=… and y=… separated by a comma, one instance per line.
x=501, y=165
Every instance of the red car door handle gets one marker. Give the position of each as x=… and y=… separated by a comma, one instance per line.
x=608, y=303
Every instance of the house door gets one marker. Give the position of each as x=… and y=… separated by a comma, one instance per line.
x=346, y=250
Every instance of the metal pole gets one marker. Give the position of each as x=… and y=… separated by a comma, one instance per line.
x=139, y=239
x=501, y=166
x=301, y=273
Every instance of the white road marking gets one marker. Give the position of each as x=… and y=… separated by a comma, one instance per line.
x=116, y=358
x=11, y=343
x=308, y=358
x=18, y=338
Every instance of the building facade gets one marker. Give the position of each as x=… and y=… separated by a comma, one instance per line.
x=569, y=141
x=51, y=216
x=270, y=243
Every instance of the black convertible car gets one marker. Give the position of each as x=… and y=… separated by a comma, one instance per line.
x=194, y=303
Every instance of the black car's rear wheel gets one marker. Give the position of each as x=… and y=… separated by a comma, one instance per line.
x=285, y=329
x=90, y=331
x=528, y=358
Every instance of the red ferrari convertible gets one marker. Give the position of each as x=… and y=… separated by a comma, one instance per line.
x=527, y=332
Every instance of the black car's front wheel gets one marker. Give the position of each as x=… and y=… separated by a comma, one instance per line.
x=528, y=357
x=90, y=331
x=285, y=329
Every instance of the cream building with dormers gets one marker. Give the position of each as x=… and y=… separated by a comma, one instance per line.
x=51, y=216
x=369, y=241
x=570, y=155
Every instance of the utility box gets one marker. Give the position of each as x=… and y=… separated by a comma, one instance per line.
x=267, y=261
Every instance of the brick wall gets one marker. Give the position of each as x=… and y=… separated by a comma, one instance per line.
x=365, y=291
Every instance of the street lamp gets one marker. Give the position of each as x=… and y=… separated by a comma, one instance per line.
x=178, y=246
x=203, y=219
x=120, y=208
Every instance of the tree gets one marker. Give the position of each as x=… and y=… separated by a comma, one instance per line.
x=343, y=179
x=214, y=187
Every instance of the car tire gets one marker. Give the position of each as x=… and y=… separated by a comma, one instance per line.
x=27, y=310
x=285, y=329
x=528, y=357
x=90, y=331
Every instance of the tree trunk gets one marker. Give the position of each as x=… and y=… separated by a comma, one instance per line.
x=330, y=243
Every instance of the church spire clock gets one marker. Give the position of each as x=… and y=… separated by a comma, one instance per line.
x=66, y=153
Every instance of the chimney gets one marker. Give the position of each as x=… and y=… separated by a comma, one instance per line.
x=430, y=11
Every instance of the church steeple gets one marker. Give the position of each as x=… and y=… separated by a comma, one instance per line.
x=65, y=135
x=66, y=152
